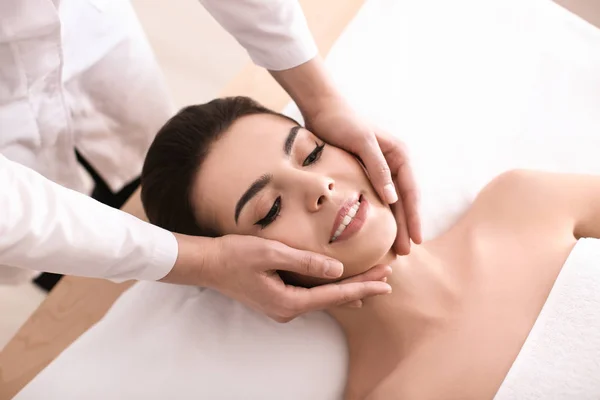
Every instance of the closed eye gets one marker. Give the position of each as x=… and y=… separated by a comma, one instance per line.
x=271, y=215
x=275, y=210
x=314, y=156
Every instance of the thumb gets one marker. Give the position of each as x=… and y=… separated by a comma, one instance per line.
x=379, y=171
x=309, y=263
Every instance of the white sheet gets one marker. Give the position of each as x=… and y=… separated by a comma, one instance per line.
x=473, y=87
x=561, y=358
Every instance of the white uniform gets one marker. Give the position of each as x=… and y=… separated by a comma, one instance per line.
x=81, y=74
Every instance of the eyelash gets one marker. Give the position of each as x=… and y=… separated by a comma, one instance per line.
x=271, y=215
x=316, y=153
x=275, y=210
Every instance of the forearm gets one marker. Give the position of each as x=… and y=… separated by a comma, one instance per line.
x=309, y=85
x=46, y=227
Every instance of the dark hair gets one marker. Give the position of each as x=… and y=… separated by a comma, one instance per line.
x=177, y=153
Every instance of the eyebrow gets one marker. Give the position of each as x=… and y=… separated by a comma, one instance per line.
x=252, y=191
x=289, y=141
x=264, y=180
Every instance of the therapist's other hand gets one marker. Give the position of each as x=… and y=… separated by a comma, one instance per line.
x=385, y=159
x=245, y=269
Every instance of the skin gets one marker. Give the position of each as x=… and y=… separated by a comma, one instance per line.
x=462, y=304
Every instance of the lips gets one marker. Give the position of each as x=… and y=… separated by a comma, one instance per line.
x=349, y=219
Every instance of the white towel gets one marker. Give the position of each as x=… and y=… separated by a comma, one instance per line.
x=561, y=358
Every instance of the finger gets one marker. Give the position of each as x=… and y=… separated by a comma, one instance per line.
x=414, y=225
x=414, y=222
x=402, y=241
x=409, y=195
x=399, y=163
x=377, y=273
x=378, y=171
x=333, y=295
x=307, y=263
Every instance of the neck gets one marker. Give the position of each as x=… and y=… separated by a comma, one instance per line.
x=424, y=291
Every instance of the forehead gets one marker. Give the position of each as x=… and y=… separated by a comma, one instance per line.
x=251, y=147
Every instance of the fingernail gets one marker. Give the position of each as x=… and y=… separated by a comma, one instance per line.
x=389, y=289
x=390, y=194
x=333, y=269
x=384, y=279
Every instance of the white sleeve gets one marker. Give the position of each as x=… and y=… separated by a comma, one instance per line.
x=46, y=227
x=274, y=32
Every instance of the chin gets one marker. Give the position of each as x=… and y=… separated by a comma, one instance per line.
x=372, y=246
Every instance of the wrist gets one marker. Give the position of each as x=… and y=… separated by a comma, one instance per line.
x=312, y=106
x=309, y=85
x=194, y=260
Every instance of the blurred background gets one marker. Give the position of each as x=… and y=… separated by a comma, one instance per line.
x=196, y=69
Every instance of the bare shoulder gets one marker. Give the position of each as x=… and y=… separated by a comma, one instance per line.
x=532, y=200
x=509, y=185
x=510, y=192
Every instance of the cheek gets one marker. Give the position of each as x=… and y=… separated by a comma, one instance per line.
x=348, y=171
x=297, y=233
x=386, y=230
x=345, y=161
x=372, y=244
x=377, y=236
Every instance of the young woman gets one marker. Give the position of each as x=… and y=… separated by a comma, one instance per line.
x=461, y=306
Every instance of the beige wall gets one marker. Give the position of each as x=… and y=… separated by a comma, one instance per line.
x=198, y=57
x=587, y=9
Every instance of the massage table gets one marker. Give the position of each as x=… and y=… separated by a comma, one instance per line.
x=76, y=304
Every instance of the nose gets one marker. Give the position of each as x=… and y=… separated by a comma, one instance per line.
x=319, y=190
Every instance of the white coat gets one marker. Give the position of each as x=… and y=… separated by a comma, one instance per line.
x=80, y=74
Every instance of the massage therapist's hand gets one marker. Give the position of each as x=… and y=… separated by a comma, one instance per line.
x=384, y=158
x=328, y=115
x=245, y=269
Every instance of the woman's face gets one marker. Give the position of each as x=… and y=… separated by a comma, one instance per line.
x=267, y=177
